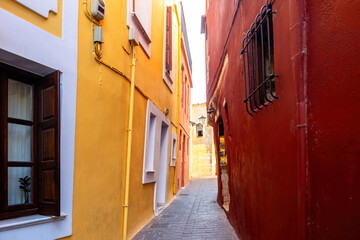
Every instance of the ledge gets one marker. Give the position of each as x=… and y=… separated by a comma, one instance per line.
x=168, y=80
x=32, y=220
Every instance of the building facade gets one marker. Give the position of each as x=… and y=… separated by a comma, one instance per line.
x=182, y=167
x=38, y=69
x=92, y=120
x=127, y=96
x=202, y=157
x=282, y=101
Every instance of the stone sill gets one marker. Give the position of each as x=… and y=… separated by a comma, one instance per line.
x=32, y=220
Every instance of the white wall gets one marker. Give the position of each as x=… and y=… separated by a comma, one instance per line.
x=31, y=48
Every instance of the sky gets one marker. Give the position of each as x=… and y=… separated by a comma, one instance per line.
x=193, y=9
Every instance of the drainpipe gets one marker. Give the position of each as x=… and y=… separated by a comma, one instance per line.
x=128, y=150
x=302, y=101
x=98, y=55
x=178, y=96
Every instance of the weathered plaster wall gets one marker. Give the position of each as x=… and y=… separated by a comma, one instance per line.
x=293, y=167
x=261, y=150
x=333, y=117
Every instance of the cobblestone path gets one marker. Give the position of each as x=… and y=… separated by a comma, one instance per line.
x=194, y=214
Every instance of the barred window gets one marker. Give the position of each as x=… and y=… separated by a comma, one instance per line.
x=258, y=61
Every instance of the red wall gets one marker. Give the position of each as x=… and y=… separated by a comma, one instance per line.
x=262, y=150
x=182, y=167
x=333, y=118
x=294, y=168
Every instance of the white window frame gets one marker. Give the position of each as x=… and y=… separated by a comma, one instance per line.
x=138, y=21
x=173, y=149
x=152, y=143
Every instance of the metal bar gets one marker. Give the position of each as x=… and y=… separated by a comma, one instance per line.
x=249, y=79
x=263, y=58
x=256, y=89
x=245, y=100
x=269, y=14
x=253, y=69
x=260, y=23
x=257, y=62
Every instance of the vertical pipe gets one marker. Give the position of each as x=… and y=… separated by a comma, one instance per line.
x=128, y=150
x=304, y=228
x=178, y=106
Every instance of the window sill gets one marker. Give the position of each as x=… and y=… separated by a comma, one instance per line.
x=168, y=80
x=32, y=220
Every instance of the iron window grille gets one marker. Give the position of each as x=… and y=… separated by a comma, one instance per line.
x=258, y=60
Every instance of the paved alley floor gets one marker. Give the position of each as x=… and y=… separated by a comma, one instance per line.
x=194, y=214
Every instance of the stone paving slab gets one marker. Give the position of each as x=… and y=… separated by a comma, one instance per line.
x=193, y=215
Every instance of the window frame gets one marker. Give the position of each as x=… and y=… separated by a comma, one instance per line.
x=135, y=20
x=35, y=207
x=151, y=175
x=169, y=41
x=173, y=149
x=199, y=129
x=168, y=47
x=258, y=62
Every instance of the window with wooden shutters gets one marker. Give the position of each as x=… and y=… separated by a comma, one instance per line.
x=29, y=143
x=168, y=62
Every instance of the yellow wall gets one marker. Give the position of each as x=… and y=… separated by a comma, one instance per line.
x=203, y=159
x=149, y=79
x=53, y=24
x=101, y=123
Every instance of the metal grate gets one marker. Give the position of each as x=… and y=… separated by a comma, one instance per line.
x=258, y=61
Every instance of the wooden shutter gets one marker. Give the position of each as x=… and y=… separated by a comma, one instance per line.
x=168, y=61
x=48, y=135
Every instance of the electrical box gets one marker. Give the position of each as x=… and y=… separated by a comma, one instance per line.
x=98, y=9
x=133, y=36
x=98, y=35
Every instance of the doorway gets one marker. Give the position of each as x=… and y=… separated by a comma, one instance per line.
x=161, y=183
x=223, y=167
x=183, y=163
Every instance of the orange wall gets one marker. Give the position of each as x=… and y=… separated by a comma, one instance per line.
x=182, y=169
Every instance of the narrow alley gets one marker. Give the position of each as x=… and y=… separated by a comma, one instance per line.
x=194, y=214
x=179, y=119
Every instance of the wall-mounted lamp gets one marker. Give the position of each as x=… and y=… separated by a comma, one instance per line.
x=202, y=119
